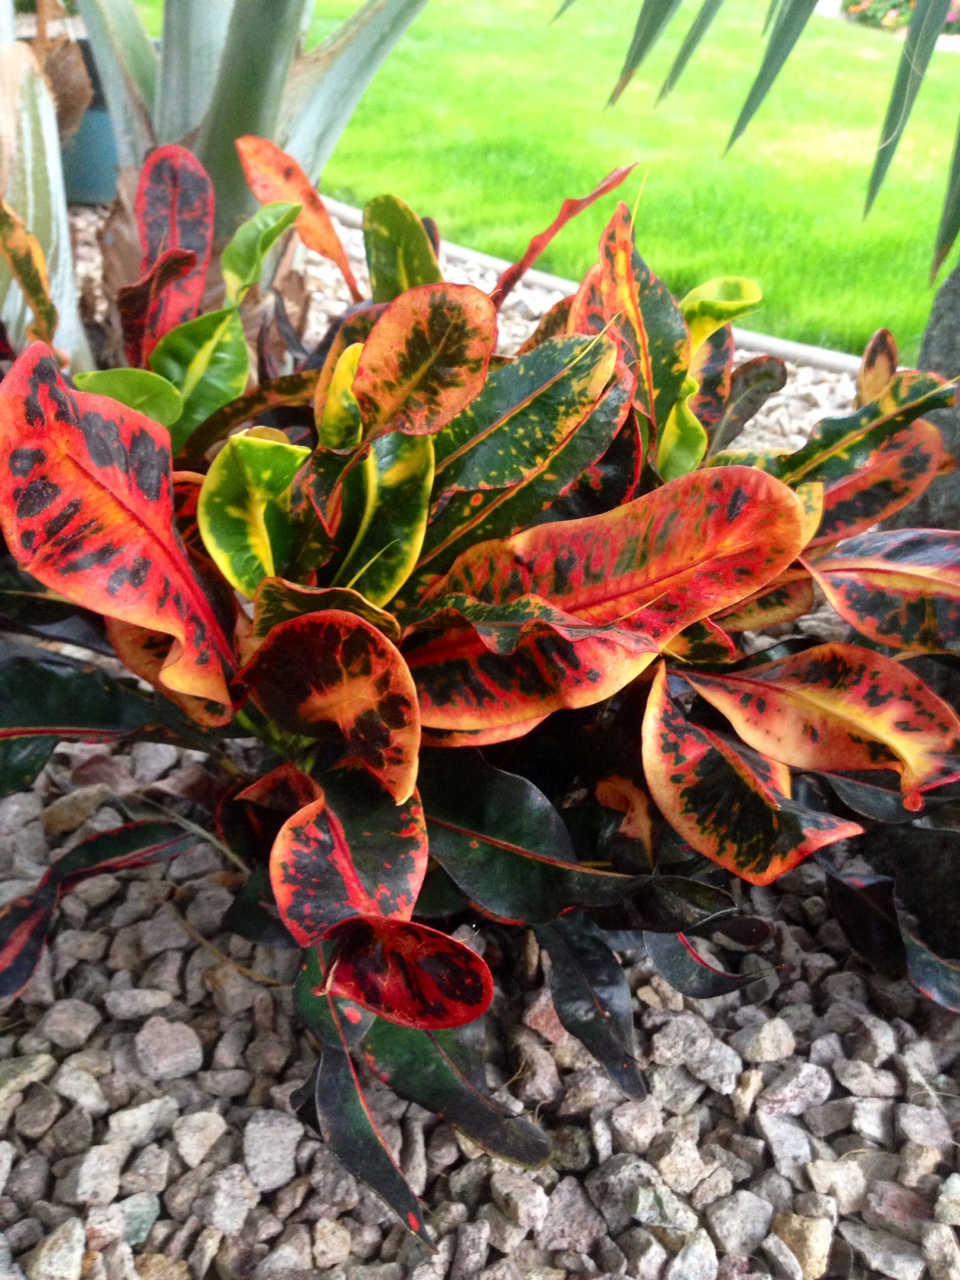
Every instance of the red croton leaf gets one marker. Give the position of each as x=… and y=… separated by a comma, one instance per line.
x=568, y=210
x=789, y=596
x=640, y=309
x=896, y=473
x=273, y=175
x=840, y=707
x=153, y=306
x=145, y=652
x=249, y=817
x=645, y=571
x=730, y=803
x=175, y=207
x=586, y=309
x=333, y=669
x=425, y=360
x=327, y=866
x=86, y=508
x=901, y=588
x=409, y=973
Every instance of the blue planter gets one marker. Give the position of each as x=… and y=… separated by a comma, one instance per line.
x=90, y=157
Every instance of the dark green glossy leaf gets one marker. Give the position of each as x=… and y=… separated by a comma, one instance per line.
x=399, y=252
x=674, y=904
x=503, y=843
x=676, y=960
x=333, y=1020
x=291, y=390
x=207, y=361
x=865, y=909
x=752, y=385
x=422, y=1066
x=592, y=997
x=44, y=700
x=933, y=975
x=244, y=257
x=133, y=845
x=24, y=924
x=879, y=803
x=253, y=914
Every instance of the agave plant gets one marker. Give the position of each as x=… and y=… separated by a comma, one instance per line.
x=487, y=616
x=235, y=67
x=32, y=194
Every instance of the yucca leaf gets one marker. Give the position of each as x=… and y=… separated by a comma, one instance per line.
x=256, y=61
x=326, y=85
x=698, y=29
x=127, y=62
x=194, y=33
x=926, y=24
x=792, y=17
x=950, y=214
x=654, y=16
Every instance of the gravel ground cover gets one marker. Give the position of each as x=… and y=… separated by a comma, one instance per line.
x=803, y=1128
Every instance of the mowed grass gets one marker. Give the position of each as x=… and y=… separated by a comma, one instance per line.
x=487, y=116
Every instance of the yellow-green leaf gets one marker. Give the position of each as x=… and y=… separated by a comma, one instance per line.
x=243, y=258
x=398, y=477
x=243, y=510
x=22, y=253
x=718, y=302
x=138, y=389
x=339, y=426
x=207, y=360
x=683, y=441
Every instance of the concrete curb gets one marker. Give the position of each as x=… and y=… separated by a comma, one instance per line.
x=760, y=343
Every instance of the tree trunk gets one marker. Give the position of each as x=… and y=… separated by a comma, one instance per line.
x=939, y=506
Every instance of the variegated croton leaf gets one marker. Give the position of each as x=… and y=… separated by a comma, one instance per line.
x=86, y=507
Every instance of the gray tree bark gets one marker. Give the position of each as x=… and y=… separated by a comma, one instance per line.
x=939, y=506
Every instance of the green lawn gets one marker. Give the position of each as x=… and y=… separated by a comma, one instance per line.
x=487, y=116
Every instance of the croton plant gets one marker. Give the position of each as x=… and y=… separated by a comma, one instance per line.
x=494, y=620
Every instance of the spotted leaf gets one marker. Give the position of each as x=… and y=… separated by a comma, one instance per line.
x=409, y=973
x=155, y=304
x=900, y=589
x=273, y=175
x=461, y=518
x=703, y=641
x=23, y=256
x=144, y=652
x=750, y=387
x=586, y=307
x=553, y=324
x=350, y=853
x=174, y=208
x=898, y=471
x=878, y=366
x=568, y=210
x=249, y=816
x=400, y=254
x=840, y=707
x=788, y=597
x=638, y=306
x=278, y=601
x=86, y=508
x=334, y=671
x=243, y=510
x=642, y=566
x=425, y=360
x=839, y=447
x=712, y=369
x=730, y=803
